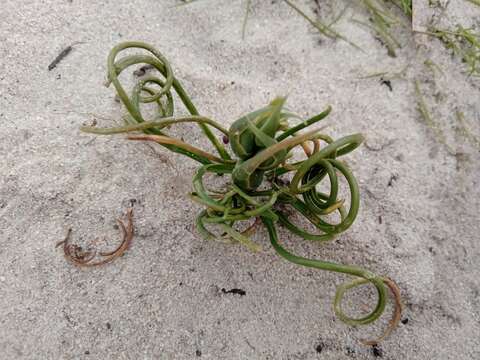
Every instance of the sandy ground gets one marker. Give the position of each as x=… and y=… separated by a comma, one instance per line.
x=418, y=221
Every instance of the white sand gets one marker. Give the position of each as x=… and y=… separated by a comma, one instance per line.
x=163, y=300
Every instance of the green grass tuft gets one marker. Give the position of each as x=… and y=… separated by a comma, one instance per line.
x=464, y=43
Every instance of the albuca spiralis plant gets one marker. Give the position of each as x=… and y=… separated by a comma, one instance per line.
x=264, y=179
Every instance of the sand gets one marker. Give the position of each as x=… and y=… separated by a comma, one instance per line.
x=418, y=221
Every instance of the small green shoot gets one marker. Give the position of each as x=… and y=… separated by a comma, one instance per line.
x=464, y=43
x=245, y=18
x=465, y=131
x=405, y=5
x=324, y=29
x=427, y=118
x=433, y=66
x=382, y=21
x=388, y=75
